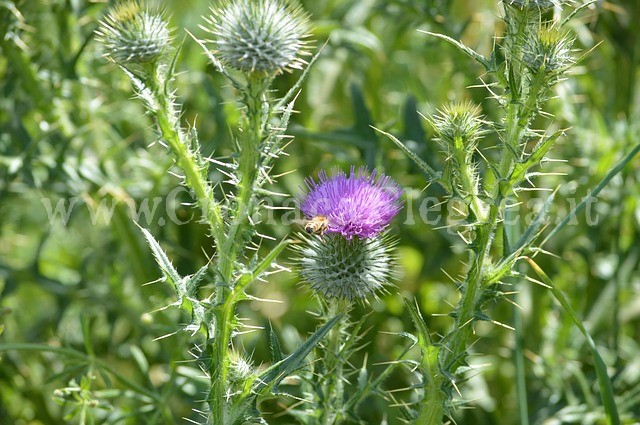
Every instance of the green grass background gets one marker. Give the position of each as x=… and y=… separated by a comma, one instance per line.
x=69, y=129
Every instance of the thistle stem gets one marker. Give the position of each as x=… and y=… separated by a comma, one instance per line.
x=333, y=387
x=194, y=173
x=226, y=297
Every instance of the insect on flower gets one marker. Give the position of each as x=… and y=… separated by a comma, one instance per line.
x=317, y=225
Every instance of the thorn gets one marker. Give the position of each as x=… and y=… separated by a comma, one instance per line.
x=160, y=279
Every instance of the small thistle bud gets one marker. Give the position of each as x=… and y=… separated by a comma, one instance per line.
x=266, y=36
x=134, y=33
x=360, y=204
x=549, y=51
x=533, y=4
x=458, y=126
x=338, y=268
x=240, y=368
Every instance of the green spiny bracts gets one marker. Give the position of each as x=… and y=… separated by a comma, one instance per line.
x=548, y=52
x=456, y=123
x=134, y=32
x=337, y=268
x=458, y=128
x=534, y=4
x=263, y=36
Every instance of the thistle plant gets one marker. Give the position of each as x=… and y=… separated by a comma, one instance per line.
x=350, y=259
x=252, y=42
x=536, y=55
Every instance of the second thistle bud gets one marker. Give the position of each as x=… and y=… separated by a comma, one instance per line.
x=337, y=268
x=266, y=36
x=134, y=33
x=549, y=51
x=458, y=127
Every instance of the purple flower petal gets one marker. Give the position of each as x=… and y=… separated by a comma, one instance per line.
x=360, y=204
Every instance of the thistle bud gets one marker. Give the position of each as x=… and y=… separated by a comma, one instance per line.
x=458, y=126
x=337, y=268
x=134, y=33
x=265, y=36
x=549, y=51
x=533, y=4
x=240, y=369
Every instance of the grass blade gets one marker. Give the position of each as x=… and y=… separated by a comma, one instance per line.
x=606, y=389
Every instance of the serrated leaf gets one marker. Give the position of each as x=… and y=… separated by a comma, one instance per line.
x=464, y=49
x=424, y=337
x=191, y=283
x=537, y=154
x=161, y=258
x=533, y=230
x=270, y=378
x=274, y=346
x=263, y=265
x=430, y=172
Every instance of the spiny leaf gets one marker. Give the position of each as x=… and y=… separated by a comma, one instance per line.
x=424, y=337
x=430, y=172
x=264, y=264
x=274, y=345
x=464, y=49
x=533, y=230
x=270, y=378
x=161, y=258
x=538, y=153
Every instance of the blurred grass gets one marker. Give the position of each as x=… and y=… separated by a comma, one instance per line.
x=68, y=128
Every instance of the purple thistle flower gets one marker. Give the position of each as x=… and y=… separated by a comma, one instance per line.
x=360, y=204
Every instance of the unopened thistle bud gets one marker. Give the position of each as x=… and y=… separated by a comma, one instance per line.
x=548, y=51
x=266, y=36
x=533, y=4
x=240, y=368
x=349, y=257
x=134, y=33
x=458, y=126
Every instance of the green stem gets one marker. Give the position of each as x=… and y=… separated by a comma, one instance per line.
x=218, y=366
x=332, y=401
x=467, y=180
x=194, y=173
x=250, y=139
x=454, y=351
x=226, y=296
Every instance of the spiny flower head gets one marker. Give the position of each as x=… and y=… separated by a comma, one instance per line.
x=458, y=122
x=549, y=51
x=360, y=204
x=533, y=4
x=266, y=36
x=134, y=32
x=337, y=268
